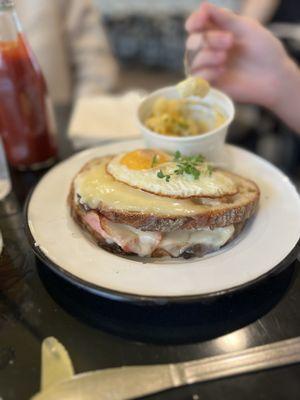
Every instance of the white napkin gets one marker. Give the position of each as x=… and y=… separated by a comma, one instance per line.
x=105, y=118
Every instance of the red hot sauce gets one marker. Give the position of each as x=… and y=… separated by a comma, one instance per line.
x=26, y=122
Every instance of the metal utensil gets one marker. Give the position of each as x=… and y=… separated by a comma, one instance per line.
x=5, y=183
x=187, y=61
x=196, y=105
x=56, y=363
x=127, y=383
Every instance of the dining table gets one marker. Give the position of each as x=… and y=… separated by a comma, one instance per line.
x=99, y=333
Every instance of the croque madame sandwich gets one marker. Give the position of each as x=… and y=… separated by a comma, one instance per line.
x=153, y=204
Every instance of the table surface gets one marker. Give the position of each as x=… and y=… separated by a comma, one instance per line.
x=35, y=304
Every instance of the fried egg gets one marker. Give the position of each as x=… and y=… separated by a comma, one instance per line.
x=148, y=170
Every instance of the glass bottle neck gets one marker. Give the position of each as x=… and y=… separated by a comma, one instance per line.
x=9, y=23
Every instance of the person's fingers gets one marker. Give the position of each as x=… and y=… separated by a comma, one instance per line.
x=210, y=14
x=223, y=18
x=196, y=21
x=214, y=39
x=208, y=57
x=219, y=39
x=210, y=74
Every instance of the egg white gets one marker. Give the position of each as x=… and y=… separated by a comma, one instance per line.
x=217, y=184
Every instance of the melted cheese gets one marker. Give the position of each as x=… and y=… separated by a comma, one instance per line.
x=133, y=240
x=96, y=187
x=175, y=243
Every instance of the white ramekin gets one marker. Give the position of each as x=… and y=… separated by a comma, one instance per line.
x=209, y=144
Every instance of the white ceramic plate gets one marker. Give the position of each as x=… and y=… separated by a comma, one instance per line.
x=266, y=241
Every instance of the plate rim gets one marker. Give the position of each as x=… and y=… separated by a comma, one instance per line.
x=137, y=299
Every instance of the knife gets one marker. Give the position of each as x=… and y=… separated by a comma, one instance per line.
x=131, y=382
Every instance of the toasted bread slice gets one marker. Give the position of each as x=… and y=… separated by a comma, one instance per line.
x=149, y=212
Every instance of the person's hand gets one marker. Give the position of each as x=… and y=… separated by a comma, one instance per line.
x=238, y=55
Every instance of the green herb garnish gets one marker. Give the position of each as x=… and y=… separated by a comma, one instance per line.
x=210, y=169
x=154, y=160
x=161, y=175
x=183, y=124
x=195, y=160
x=177, y=155
x=186, y=166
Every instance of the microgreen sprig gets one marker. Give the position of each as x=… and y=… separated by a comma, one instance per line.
x=154, y=160
x=186, y=165
x=161, y=175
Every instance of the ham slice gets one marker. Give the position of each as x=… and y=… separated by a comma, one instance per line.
x=131, y=240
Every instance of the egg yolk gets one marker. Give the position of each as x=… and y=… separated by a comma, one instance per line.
x=144, y=159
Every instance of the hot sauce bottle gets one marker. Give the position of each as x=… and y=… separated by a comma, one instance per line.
x=26, y=121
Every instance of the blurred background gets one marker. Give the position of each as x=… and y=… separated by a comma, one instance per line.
x=121, y=45
x=148, y=39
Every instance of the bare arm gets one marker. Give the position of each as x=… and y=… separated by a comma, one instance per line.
x=260, y=10
x=286, y=104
